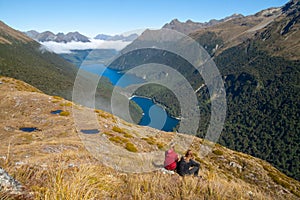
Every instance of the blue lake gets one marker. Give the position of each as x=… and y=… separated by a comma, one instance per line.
x=113, y=75
x=154, y=115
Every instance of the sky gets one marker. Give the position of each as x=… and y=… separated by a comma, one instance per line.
x=92, y=17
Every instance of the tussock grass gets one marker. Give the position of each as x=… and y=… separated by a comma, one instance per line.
x=160, y=186
x=152, y=141
x=108, y=133
x=67, y=104
x=55, y=101
x=131, y=147
x=118, y=139
x=103, y=114
x=87, y=179
x=127, y=135
x=60, y=181
x=57, y=97
x=64, y=113
x=218, y=152
x=118, y=129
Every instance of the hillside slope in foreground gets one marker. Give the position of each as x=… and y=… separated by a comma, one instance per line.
x=58, y=162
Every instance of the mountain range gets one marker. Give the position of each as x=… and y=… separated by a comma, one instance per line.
x=48, y=36
x=127, y=38
x=59, y=37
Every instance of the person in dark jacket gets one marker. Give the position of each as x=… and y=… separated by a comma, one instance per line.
x=187, y=166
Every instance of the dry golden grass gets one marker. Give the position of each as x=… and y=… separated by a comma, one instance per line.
x=73, y=175
x=56, y=165
x=84, y=180
x=67, y=104
x=161, y=186
x=60, y=180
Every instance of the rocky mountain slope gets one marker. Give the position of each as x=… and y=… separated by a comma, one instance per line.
x=189, y=26
x=233, y=32
x=276, y=28
x=53, y=160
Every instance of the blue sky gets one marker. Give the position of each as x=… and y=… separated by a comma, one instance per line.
x=91, y=17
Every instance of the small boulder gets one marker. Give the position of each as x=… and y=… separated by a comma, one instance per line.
x=9, y=185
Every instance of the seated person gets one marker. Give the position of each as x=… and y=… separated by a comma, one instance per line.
x=187, y=166
x=171, y=159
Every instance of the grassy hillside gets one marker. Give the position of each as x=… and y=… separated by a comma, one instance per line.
x=53, y=162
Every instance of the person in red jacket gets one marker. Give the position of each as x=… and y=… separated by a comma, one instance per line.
x=171, y=158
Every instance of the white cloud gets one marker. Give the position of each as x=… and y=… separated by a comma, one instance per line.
x=57, y=47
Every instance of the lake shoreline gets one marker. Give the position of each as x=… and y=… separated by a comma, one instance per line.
x=158, y=104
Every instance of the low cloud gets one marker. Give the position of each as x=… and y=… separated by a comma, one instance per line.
x=57, y=47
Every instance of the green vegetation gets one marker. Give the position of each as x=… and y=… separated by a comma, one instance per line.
x=123, y=131
x=263, y=106
x=150, y=140
x=127, y=135
x=209, y=40
x=108, y=133
x=160, y=145
x=218, y=152
x=131, y=147
x=67, y=104
x=43, y=70
x=118, y=129
x=118, y=139
x=89, y=56
x=64, y=113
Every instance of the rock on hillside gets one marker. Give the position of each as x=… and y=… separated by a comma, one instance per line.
x=11, y=187
x=57, y=149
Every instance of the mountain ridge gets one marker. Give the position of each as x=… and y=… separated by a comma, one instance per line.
x=123, y=38
x=190, y=26
x=47, y=36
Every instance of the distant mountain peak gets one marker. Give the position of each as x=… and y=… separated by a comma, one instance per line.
x=47, y=36
x=127, y=38
x=190, y=26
